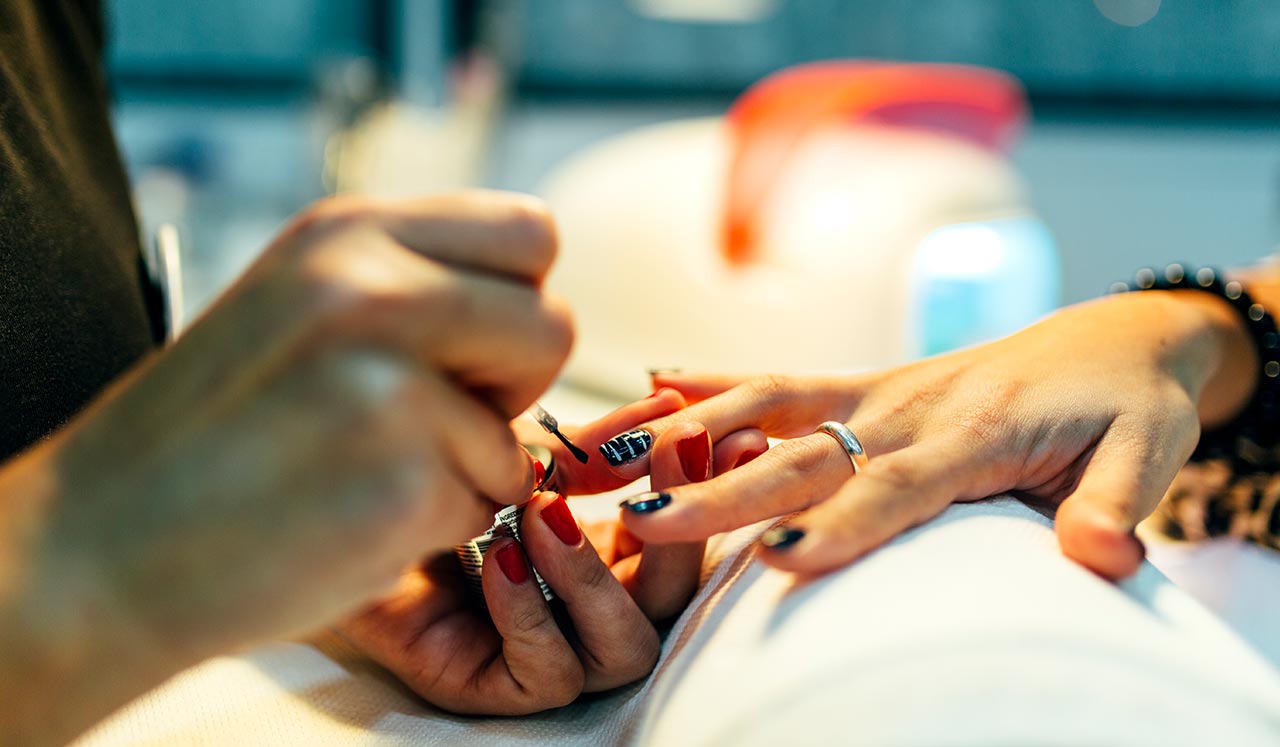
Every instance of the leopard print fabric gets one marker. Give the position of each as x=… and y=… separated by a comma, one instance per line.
x=1215, y=498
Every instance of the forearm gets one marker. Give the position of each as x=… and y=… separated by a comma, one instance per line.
x=69, y=652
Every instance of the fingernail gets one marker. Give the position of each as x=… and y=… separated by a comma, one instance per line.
x=511, y=561
x=558, y=516
x=646, y=503
x=748, y=456
x=781, y=538
x=659, y=391
x=539, y=473
x=626, y=448
x=664, y=370
x=695, y=456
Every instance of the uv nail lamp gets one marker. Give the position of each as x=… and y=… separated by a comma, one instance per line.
x=841, y=216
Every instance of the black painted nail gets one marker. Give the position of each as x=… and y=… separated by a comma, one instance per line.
x=646, y=503
x=626, y=448
x=781, y=538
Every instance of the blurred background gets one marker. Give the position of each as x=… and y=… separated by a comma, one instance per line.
x=1152, y=133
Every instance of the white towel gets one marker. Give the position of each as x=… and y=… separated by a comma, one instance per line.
x=970, y=630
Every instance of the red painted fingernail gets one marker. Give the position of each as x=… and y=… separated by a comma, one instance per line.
x=747, y=456
x=539, y=472
x=695, y=456
x=558, y=516
x=511, y=561
x=658, y=391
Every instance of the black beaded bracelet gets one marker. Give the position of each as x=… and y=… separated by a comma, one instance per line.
x=1250, y=440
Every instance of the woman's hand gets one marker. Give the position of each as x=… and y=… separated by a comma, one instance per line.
x=340, y=412
x=525, y=655
x=1096, y=408
x=515, y=658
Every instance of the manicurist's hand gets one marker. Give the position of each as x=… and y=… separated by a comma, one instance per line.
x=341, y=411
x=522, y=654
x=1095, y=408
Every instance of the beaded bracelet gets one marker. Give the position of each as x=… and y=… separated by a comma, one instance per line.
x=1250, y=440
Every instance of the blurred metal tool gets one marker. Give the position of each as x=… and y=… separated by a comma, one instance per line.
x=163, y=260
x=549, y=424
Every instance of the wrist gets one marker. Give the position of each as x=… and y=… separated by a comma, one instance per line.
x=1214, y=357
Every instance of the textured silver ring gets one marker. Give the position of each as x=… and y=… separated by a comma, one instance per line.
x=849, y=442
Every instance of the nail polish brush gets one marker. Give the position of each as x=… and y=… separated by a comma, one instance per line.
x=550, y=425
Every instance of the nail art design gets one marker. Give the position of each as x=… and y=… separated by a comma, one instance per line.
x=627, y=448
x=781, y=538
x=646, y=503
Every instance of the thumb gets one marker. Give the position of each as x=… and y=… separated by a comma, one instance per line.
x=1121, y=486
x=667, y=575
x=1090, y=533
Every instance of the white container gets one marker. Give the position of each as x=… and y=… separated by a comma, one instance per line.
x=877, y=244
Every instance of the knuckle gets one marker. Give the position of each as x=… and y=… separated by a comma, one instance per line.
x=593, y=574
x=772, y=389
x=439, y=294
x=530, y=620
x=338, y=283
x=335, y=213
x=561, y=686
x=641, y=658
x=530, y=227
x=893, y=473
x=806, y=456
x=365, y=380
x=983, y=423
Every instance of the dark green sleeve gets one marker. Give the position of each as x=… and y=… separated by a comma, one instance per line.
x=73, y=310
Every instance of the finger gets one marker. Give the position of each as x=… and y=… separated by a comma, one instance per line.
x=694, y=387
x=538, y=667
x=890, y=495
x=739, y=448
x=791, y=476
x=782, y=407
x=477, y=440
x=1129, y=472
x=625, y=544
x=495, y=232
x=603, y=536
x=503, y=341
x=486, y=332
x=667, y=574
x=618, y=643
x=575, y=478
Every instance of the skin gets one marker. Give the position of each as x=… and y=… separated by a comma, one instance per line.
x=310, y=437
x=518, y=657
x=1094, y=410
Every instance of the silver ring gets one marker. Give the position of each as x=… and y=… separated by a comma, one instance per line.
x=849, y=442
